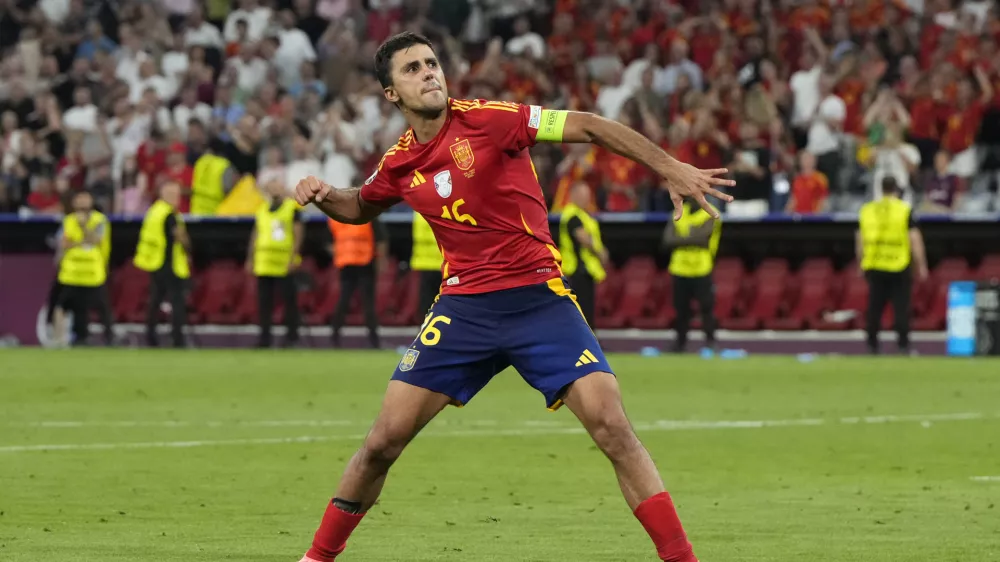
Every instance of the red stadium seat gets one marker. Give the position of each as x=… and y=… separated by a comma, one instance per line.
x=769, y=285
x=854, y=296
x=129, y=293
x=808, y=296
x=404, y=311
x=221, y=285
x=658, y=310
x=638, y=275
x=607, y=296
x=325, y=296
x=989, y=268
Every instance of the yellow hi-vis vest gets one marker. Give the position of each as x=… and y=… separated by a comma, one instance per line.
x=426, y=254
x=694, y=261
x=885, y=235
x=206, y=184
x=591, y=262
x=85, y=266
x=152, y=249
x=275, y=239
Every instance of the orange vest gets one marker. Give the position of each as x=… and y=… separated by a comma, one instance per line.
x=353, y=244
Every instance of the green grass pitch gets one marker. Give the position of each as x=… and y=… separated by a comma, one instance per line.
x=115, y=455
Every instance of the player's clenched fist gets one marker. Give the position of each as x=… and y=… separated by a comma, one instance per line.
x=311, y=190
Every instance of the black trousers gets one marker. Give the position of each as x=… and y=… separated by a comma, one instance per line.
x=584, y=287
x=80, y=301
x=687, y=289
x=266, y=287
x=166, y=286
x=352, y=279
x=885, y=287
x=430, y=286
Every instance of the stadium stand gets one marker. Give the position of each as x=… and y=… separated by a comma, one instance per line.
x=117, y=97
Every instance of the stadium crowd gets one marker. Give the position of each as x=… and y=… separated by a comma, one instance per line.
x=810, y=103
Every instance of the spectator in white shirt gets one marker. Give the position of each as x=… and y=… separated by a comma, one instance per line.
x=824, y=137
x=256, y=16
x=303, y=162
x=525, y=42
x=665, y=79
x=175, y=63
x=200, y=33
x=612, y=97
x=83, y=115
x=130, y=55
x=251, y=70
x=294, y=49
x=149, y=79
x=805, y=92
x=189, y=108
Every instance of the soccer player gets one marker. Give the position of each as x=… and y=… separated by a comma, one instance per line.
x=464, y=166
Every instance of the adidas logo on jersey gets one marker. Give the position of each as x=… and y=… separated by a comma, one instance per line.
x=586, y=359
x=418, y=179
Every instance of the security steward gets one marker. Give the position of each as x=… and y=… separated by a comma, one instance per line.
x=355, y=249
x=85, y=247
x=163, y=252
x=427, y=260
x=582, y=249
x=887, y=242
x=213, y=177
x=274, y=258
x=694, y=240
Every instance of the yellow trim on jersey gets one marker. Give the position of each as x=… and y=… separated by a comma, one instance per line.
x=465, y=105
x=552, y=125
x=525, y=223
x=557, y=286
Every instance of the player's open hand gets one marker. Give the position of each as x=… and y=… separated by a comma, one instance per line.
x=687, y=181
x=311, y=190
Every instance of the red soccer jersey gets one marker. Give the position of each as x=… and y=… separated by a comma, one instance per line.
x=475, y=184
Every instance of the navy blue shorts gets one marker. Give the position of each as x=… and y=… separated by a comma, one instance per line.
x=467, y=339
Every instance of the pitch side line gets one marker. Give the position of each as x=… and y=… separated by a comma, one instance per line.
x=668, y=424
x=661, y=425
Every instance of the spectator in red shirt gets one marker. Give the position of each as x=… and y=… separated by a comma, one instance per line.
x=179, y=171
x=962, y=125
x=44, y=199
x=810, y=188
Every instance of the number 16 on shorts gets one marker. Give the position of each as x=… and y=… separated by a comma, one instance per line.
x=429, y=335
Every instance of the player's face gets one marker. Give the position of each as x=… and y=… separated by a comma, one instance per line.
x=417, y=81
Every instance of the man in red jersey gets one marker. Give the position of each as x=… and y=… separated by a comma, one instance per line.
x=464, y=166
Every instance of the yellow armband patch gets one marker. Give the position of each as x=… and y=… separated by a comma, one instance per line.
x=552, y=124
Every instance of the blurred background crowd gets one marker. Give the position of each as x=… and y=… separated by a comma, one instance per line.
x=812, y=104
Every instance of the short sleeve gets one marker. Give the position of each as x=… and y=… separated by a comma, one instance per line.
x=380, y=189
x=511, y=126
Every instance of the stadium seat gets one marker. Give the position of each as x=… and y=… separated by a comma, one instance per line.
x=849, y=292
x=607, y=295
x=638, y=275
x=221, y=284
x=244, y=308
x=404, y=311
x=129, y=293
x=807, y=297
x=989, y=268
x=769, y=283
x=325, y=296
x=658, y=310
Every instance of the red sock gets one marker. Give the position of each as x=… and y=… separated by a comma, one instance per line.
x=659, y=517
x=331, y=537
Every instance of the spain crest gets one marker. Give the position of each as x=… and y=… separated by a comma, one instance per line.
x=409, y=359
x=461, y=151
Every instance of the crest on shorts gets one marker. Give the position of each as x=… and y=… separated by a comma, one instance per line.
x=409, y=359
x=442, y=183
x=461, y=151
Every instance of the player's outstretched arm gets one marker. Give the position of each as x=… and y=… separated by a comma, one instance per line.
x=341, y=205
x=683, y=180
